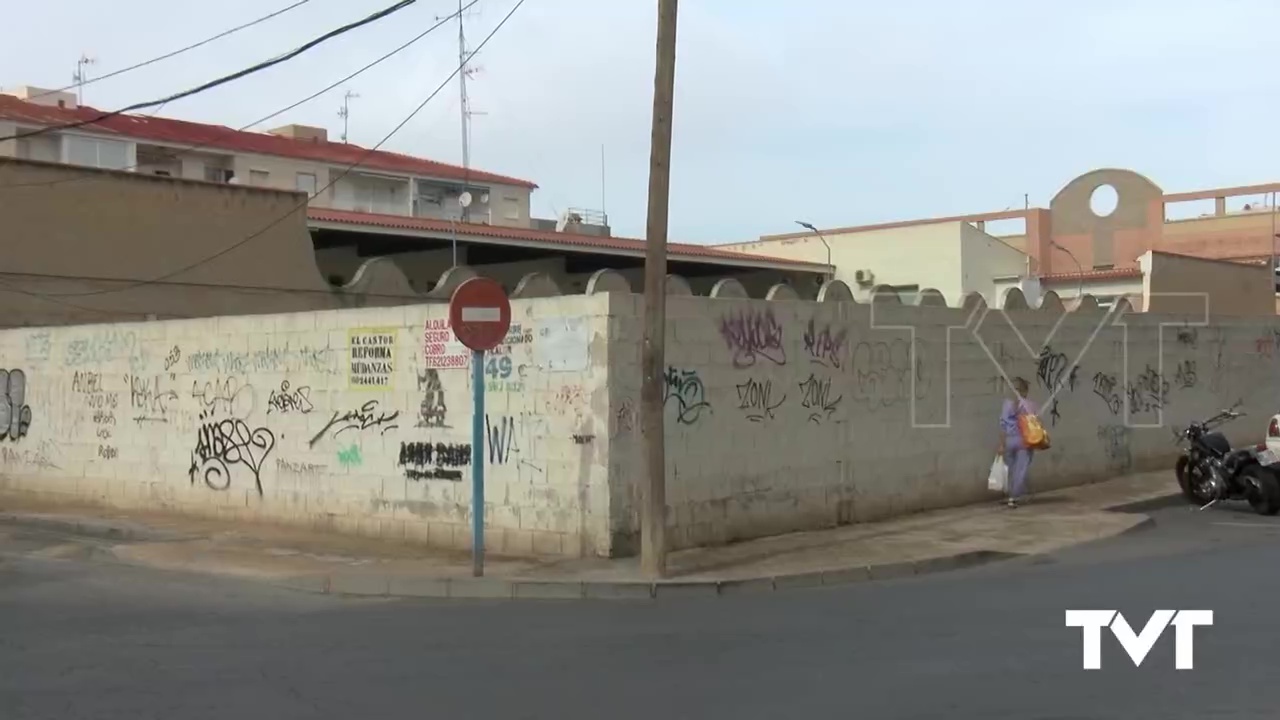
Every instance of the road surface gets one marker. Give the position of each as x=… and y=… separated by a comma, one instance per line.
x=80, y=638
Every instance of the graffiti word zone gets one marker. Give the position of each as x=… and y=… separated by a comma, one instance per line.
x=756, y=399
x=223, y=444
x=818, y=398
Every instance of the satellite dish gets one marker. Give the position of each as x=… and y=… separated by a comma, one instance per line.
x=464, y=199
x=484, y=199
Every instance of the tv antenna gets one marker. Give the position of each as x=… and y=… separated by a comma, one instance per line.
x=344, y=112
x=467, y=71
x=81, y=76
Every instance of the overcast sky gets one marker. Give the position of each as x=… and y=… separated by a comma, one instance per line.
x=837, y=112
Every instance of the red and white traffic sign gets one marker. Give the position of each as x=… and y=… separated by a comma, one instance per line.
x=480, y=313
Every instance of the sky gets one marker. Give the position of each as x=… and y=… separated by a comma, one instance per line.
x=835, y=112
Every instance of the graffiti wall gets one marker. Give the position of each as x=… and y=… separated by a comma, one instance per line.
x=785, y=415
x=359, y=420
x=780, y=414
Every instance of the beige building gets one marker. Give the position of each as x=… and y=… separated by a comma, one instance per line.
x=1075, y=246
x=293, y=157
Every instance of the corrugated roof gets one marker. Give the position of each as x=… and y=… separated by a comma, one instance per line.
x=678, y=251
x=182, y=132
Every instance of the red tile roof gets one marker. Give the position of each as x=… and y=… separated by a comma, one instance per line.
x=181, y=132
x=677, y=251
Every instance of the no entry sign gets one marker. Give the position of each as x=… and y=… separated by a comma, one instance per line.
x=480, y=313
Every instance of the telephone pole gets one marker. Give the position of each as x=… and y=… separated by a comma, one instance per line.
x=653, y=511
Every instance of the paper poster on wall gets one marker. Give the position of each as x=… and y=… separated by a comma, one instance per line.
x=372, y=357
x=441, y=350
x=563, y=345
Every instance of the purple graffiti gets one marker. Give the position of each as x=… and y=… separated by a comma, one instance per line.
x=751, y=335
x=824, y=347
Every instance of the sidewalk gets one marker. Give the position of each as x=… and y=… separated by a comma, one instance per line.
x=309, y=561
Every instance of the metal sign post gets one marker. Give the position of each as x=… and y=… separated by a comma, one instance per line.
x=480, y=315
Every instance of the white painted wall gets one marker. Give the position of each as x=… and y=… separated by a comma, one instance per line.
x=263, y=418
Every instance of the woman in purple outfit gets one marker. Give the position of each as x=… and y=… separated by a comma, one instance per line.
x=1017, y=456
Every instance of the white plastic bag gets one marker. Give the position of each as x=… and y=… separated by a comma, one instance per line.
x=998, y=480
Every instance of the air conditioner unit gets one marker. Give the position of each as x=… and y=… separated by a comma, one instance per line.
x=864, y=277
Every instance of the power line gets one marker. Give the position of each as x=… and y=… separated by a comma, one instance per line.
x=175, y=53
x=259, y=121
x=304, y=203
x=222, y=80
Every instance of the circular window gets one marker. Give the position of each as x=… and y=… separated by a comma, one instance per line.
x=1103, y=201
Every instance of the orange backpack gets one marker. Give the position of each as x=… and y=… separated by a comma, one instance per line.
x=1033, y=433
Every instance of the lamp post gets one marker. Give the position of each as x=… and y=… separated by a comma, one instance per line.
x=810, y=227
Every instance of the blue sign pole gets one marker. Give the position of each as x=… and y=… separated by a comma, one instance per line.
x=477, y=463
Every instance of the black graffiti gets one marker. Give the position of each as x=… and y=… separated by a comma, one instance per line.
x=501, y=436
x=817, y=398
x=685, y=387
x=756, y=398
x=424, y=461
x=361, y=419
x=1054, y=415
x=175, y=354
x=1051, y=369
x=146, y=396
x=1186, y=374
x=224, y=396
x=1148, y=392
x=223, y=444
x=15, y=414
x=583, y=439
x=290, y=400
x=752, y=334
x=1188, y=336
x=823, y=346
x=433, y=410
x=1106, y=387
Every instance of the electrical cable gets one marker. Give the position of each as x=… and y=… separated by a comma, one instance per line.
x=175, y=53
x=173, y=155
x=220, y=81
x=304, y=203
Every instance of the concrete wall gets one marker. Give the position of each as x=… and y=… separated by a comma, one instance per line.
x=263, y=418
x=1231, y=288
x=790, y=416
x=781, y=415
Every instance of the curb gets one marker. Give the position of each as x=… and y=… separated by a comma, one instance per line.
x=361, y=585
x=88, y=527
x=1156, y=503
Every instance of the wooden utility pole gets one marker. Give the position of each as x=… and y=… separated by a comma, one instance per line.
x=653, y=511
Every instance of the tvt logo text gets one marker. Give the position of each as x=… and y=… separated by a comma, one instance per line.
x=1139, y=644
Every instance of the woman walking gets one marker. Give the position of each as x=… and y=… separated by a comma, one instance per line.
x=1017, y=455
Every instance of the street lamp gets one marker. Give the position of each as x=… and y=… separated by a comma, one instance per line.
x=816, y=231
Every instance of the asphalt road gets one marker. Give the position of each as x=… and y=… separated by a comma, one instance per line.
x=83, y=639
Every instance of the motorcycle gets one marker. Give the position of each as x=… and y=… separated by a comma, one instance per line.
x=1210, y=471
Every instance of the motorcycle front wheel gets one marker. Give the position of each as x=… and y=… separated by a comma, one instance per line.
x=1190, y=488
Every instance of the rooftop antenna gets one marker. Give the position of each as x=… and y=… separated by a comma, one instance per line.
x=81, y=76
x=345, y=111
x=466, y=72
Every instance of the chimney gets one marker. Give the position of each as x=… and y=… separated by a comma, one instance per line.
x=302, y=132
x=41, y=96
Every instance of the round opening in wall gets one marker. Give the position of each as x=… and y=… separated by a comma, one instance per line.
x=1103, y=201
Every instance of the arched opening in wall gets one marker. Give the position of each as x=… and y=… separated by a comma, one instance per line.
x=336, y=280
x=1104, y=200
